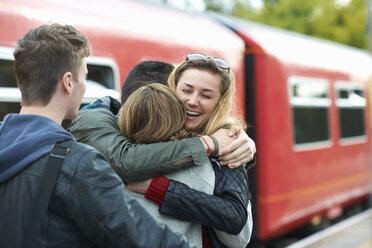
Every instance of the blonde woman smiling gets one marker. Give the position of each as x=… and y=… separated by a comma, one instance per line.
x=209, y=204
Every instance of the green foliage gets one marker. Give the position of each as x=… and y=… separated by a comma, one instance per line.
x=337, y=20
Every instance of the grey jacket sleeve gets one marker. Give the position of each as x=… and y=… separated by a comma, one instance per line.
x=106, y=215
x=99, y=128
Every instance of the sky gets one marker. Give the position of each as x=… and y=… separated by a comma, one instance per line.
x=256, y=4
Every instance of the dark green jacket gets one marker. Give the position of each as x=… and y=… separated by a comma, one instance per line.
x=99, y=128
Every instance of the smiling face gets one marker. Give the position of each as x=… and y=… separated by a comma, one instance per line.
x=200, y=92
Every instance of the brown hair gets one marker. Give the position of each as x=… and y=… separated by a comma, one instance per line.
x=43, y=55
x=152, y=114
x=223, y=115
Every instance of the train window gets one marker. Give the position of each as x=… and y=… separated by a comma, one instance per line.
x=8, y=107
x=102, y=74
x=351, y=104
x=102, y=80
x=103, y=71
x=310, y=102
x=7, y=77
x=10, y=96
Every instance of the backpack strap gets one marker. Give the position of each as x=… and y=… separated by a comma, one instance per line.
x=45, y=189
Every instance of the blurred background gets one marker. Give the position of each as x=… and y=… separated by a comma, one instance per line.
x=344, y=21
x=303, y=71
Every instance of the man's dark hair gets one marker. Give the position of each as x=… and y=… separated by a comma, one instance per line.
x=145, y=73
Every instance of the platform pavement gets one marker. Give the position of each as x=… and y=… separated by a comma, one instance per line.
x=355, y=232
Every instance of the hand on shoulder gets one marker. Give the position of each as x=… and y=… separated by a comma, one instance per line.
x=236, y=147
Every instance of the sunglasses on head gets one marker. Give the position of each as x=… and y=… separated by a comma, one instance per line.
x=220, y=62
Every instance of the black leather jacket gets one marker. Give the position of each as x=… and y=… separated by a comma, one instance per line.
x=225, y=210
x=88, y=207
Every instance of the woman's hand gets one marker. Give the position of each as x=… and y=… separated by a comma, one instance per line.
x=139, y=186
x=236, y=148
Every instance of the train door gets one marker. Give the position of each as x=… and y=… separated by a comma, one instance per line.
x=249, y=75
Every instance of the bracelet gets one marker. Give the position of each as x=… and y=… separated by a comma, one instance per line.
x=209, y=149
x=216, y=148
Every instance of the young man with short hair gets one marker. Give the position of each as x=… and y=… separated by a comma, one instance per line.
x=88, y=206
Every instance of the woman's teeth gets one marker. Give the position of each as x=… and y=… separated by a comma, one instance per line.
x=192, y=113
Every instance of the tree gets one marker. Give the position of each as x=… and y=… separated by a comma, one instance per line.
x=344, y=21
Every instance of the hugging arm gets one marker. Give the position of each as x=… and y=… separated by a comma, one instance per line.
x=133, y=162
x=228, y=210
x=99, y=128
x=238, y=151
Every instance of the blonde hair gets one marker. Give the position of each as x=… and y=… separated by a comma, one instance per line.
x=223, y=115
x=152, y=114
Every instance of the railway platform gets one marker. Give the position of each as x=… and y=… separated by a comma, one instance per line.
x=354, y=232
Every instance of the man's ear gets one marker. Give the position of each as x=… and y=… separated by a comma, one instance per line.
x=67, y=84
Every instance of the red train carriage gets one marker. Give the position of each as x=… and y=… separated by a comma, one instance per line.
x=306, y=99
x=122, y=33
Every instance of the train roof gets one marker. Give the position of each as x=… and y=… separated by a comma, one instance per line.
x=292, y=47
x=134, y=20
